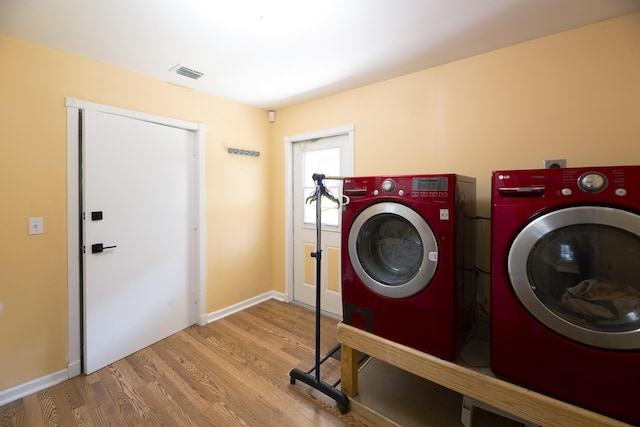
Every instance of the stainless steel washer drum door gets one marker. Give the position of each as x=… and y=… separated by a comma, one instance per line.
x=577, y=270
x=393, y=250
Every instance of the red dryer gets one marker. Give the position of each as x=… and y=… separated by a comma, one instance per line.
x=565, y=292
x=408, y=259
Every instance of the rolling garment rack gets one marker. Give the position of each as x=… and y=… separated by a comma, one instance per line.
x=342, y=400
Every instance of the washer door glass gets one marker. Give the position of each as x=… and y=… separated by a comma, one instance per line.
x=392, y=250
x=577, y=271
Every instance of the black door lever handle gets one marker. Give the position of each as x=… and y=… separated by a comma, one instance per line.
x=98, y=247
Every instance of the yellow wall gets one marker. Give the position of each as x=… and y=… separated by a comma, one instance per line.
x=33, y=141
x=572, y=95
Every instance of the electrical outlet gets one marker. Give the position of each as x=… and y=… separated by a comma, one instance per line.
x=36, y=225
x=554, y=164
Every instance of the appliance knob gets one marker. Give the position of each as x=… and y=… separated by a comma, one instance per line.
x=375, y=192
x=566, y=191
x=592, y=182
x=388, y=185
x=621, y=192
x=401, y=193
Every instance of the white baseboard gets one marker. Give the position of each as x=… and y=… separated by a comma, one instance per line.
x=74, y=368
x=22, y=390
x=219, y=314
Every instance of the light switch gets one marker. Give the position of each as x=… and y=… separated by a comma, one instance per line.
x=36, y=225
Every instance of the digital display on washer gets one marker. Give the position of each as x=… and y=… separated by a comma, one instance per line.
x=422, y=184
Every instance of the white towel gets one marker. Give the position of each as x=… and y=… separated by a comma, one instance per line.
x=601, y=298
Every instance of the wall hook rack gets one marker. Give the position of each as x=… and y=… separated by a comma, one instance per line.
x=243, y=152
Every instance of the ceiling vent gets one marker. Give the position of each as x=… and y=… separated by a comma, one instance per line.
x=187, y=72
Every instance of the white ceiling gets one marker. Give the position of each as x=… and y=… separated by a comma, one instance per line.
x=275, y=53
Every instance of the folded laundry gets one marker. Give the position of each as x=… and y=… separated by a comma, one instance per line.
x=601, y=298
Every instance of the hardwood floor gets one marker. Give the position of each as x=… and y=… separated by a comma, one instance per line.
x=233, y=372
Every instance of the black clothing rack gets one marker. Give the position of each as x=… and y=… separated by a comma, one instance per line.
x=342, y=400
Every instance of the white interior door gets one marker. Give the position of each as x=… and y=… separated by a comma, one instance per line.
x=331, y=156
x=138, y=202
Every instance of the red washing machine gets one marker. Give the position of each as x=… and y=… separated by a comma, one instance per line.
x=565, y=298
x=408, y=259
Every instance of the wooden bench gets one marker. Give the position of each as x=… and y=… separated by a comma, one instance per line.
x=505, y=396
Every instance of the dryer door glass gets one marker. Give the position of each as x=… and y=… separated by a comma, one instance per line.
x=393, y=250
x=390, y=249
x=576, y=270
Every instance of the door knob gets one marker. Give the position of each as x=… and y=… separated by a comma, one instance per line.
x=99, y=247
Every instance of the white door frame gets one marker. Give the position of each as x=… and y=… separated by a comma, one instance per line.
x=74, y=364
x=288, y=193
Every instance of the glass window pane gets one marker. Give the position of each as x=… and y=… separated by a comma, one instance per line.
x=326, y=162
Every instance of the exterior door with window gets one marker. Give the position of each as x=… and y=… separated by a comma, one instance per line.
x=331, y=156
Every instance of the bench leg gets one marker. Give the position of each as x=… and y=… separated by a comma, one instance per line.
x=349, y=367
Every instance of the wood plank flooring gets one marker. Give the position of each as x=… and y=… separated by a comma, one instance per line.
x=233, y=372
